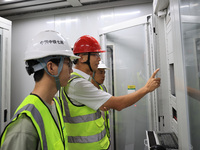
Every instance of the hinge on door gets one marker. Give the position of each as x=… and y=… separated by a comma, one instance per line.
x=154, y=30
x=5, y=115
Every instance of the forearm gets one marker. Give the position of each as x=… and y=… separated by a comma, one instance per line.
x=121, y=102
x=124, y=101
x=194, y=93
x=132, y=98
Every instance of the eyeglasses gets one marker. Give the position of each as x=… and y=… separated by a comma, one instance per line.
x=95, y=54
x=68, y=63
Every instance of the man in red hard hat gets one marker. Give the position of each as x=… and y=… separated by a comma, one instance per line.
x=82, y=101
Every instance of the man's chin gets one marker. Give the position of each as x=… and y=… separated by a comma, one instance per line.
x=101, y=82
x=95, y=69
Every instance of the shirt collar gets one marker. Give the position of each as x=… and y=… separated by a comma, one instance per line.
x=85, y=75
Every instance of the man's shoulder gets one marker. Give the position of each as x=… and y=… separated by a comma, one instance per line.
x=80, y=73
x=23, y=124
x=21, y=134
x=79, y=82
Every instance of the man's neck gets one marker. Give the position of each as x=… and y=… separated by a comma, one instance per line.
x=95, y=83
x=44, y=89
x=83, y=68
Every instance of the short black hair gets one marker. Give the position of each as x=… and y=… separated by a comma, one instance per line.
x=38, y=74
x=75, y=61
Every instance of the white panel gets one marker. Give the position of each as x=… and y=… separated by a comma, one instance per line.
x=23, y=31
x=5, y=58
x=91, y=21
x=126, y=24
x=190, y=19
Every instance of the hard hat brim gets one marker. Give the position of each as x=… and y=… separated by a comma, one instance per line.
x=40, y=54
x=101, y=51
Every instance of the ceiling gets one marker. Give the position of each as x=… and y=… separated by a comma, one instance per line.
x=10, y=8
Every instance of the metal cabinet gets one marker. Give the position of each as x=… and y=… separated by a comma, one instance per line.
x=5, y=71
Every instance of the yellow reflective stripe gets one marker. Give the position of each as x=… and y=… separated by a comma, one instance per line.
x=103, y=88
x=59, y=102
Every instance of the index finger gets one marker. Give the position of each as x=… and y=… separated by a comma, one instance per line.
x=154, y=74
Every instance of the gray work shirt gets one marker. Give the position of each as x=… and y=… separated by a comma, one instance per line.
x=22, y=134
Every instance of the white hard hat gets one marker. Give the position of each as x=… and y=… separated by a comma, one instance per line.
x=102, y=65
x=48, y=43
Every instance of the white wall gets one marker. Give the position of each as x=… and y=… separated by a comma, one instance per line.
x=72, y=26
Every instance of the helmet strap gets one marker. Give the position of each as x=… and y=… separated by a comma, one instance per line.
x=94, y=79
x=88, y=62
x=56, y=77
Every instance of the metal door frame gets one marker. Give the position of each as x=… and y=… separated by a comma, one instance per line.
x=182, y=101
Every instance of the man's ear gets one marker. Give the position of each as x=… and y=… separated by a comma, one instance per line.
x=51, y=68
x=83, y=58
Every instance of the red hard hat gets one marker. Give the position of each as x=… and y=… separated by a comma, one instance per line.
x=87, y=44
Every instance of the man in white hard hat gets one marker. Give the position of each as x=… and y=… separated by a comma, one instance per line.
x=81, y=100
x=98, y=78
x=37, y=123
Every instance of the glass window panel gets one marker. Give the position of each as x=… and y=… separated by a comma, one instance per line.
x=130, y=69
x=191, y=47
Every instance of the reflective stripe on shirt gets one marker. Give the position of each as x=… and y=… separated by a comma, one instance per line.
x=87, y=139
x=78, y=119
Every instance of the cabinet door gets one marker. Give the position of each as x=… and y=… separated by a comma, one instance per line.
x=129, y=60
x=5, y=71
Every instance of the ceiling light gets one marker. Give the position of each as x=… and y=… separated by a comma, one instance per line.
x=63, y=21
x=121, y=14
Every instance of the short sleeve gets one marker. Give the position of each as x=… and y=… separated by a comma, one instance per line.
x=21, y=135
x=83, y=92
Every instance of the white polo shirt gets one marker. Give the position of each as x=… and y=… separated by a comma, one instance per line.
x=82, y=92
